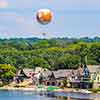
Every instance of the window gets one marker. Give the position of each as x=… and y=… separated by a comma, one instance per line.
x=48, y=83
x=53, y=83
x=59, y=84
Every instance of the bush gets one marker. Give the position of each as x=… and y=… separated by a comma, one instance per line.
x=95, y=90
x=1, y=85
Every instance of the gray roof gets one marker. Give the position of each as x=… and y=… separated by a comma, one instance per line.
x=59, y=73
x=93, y=68
x=47, y=73
x=62, y=73
x=26, y=72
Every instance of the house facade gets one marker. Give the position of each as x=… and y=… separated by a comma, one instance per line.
x=83, y=77
x=75, y=78
x=95, y=75
x=23, y=74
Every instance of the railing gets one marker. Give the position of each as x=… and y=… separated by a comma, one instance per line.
x=85, y=80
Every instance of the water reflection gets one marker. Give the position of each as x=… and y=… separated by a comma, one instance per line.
x=25, y=95
x=69, y=98
x=73, y=96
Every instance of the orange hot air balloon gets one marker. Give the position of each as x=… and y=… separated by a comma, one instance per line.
x=44, y=16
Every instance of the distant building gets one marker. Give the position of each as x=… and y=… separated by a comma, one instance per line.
x=83, y=77
x=75, y=77
x=95, y=75
x=94, y=71
x=39, y=69
x=55, y=78
x=23, y=74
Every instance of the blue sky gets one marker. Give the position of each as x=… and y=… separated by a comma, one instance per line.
x=72, y=18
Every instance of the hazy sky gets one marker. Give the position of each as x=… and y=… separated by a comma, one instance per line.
x=72, y=18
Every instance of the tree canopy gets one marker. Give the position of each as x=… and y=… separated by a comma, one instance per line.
x=6, y=73
x=56, y=53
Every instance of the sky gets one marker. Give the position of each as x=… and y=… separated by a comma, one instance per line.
x=71, y=18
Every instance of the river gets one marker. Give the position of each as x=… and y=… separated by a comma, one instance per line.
x=23, y=95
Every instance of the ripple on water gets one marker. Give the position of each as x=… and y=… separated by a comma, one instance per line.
x=23, y=95
x=79, y=96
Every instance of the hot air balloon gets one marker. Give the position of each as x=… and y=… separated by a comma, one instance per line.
x=44, y=16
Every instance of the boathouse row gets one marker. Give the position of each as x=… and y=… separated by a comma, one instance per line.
x=83, y=77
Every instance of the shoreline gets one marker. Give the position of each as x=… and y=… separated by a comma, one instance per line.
x=14, y=89
x=57, y=93
x=35, y=89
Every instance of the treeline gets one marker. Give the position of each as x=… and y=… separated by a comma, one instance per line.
x=49, y=53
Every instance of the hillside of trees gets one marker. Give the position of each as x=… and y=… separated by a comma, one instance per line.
x=55, y=53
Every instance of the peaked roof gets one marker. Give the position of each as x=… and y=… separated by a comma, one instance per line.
x=59, y=73
x=62, y=73
x=25, y=72
x=47, y=73
x=28, y=71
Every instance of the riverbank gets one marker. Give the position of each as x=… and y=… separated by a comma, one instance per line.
x=87, y=91
x=20, y=88
x=37, y=88
x=48, y=89
x=66, y=92
x=32, y=88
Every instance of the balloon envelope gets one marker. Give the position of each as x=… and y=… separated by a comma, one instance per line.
x=44, y=16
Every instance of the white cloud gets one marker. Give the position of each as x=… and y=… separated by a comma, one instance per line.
x=56, y=4
x=3, y=4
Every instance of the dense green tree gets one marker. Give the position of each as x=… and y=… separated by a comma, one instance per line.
x=7, y=73
x=95, y=52
x=68, y=61
x=49, y=53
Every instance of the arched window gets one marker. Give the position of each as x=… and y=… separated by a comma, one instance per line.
x=59, y=84
x=48, y=83
x=53, y=83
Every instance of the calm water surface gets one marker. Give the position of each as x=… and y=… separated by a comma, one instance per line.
x=19, y=95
